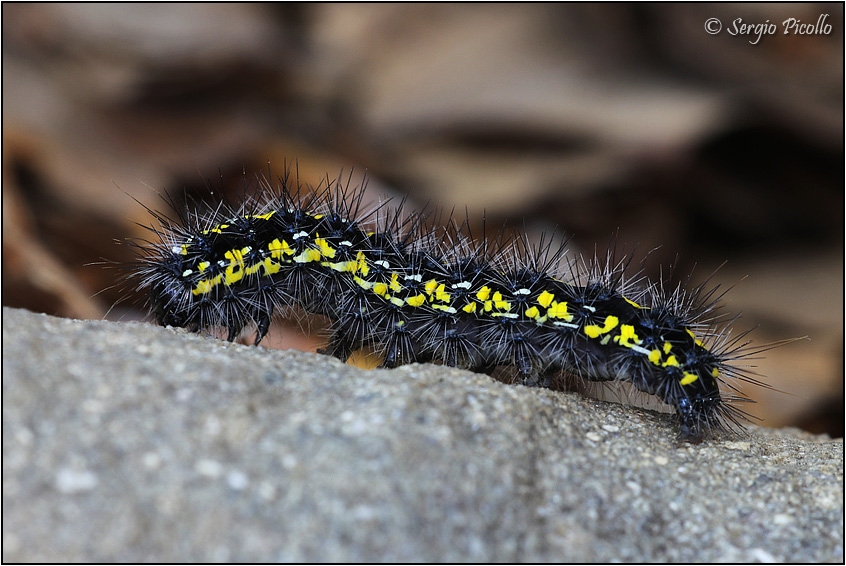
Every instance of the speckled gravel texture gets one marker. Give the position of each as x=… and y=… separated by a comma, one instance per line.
x=127, y=442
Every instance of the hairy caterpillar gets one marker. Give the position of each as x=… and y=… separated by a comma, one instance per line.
x=418, y=291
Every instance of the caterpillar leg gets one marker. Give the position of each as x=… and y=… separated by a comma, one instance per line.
x=527, y=371
x=690, y=430
x=698, y=404
x=339, y=347
x=262, y=326
x=400, y=350
x=539, y=378
x=484, y=367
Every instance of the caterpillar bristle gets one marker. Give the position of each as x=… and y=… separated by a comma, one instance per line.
x=418, y=287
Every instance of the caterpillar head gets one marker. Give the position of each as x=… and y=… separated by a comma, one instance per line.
x=697, y=417
x=698, y=403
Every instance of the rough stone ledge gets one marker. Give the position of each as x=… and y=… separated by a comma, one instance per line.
x=127, y=442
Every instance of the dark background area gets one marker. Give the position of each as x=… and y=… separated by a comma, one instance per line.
x=595, y=120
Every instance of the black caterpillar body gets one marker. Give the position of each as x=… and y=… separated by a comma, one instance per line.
x=417, y=292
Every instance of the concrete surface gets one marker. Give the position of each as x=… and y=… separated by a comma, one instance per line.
x=127, y=442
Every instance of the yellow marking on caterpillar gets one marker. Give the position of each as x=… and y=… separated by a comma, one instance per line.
x=399, y=303
x=184, y=249
x=655, y=357
x=325, y=249
x=671, y=361
x=255, y=268
x=342, y=266
x=688, y=378
x=437, y=289
x=270, y=266
x=262, y=216
x=559, y=310
x=667, y=347
x=533, y=312
x=692, y=335
x=483, y=294
x=634, y=304
x=309, y=255
x=381, y=289
x=500, y=303
x=362, y=266
x=235, y=270
x=395, y=285
x=715, y=372
x=207, y=285
x=219, y=229
x=278, y=250
x=416, y=300
x=594, y=331
x=469, y=308
x=362, y=283
x=628, y=337
x=545, y=299
x=202, y=266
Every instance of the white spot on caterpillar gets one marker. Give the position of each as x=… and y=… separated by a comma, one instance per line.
x=383, y=263
x=522, y=292
x=462, y=285
x=450, y=310
x=640, y=350
x=299, y=235
x=187, y=272
x=417, y=277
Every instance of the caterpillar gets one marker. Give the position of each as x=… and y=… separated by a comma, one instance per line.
x=414, y=289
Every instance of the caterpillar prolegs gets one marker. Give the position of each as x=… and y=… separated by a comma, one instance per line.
x=416, y=290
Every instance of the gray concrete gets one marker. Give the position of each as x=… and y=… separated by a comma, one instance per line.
x=126, y=442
